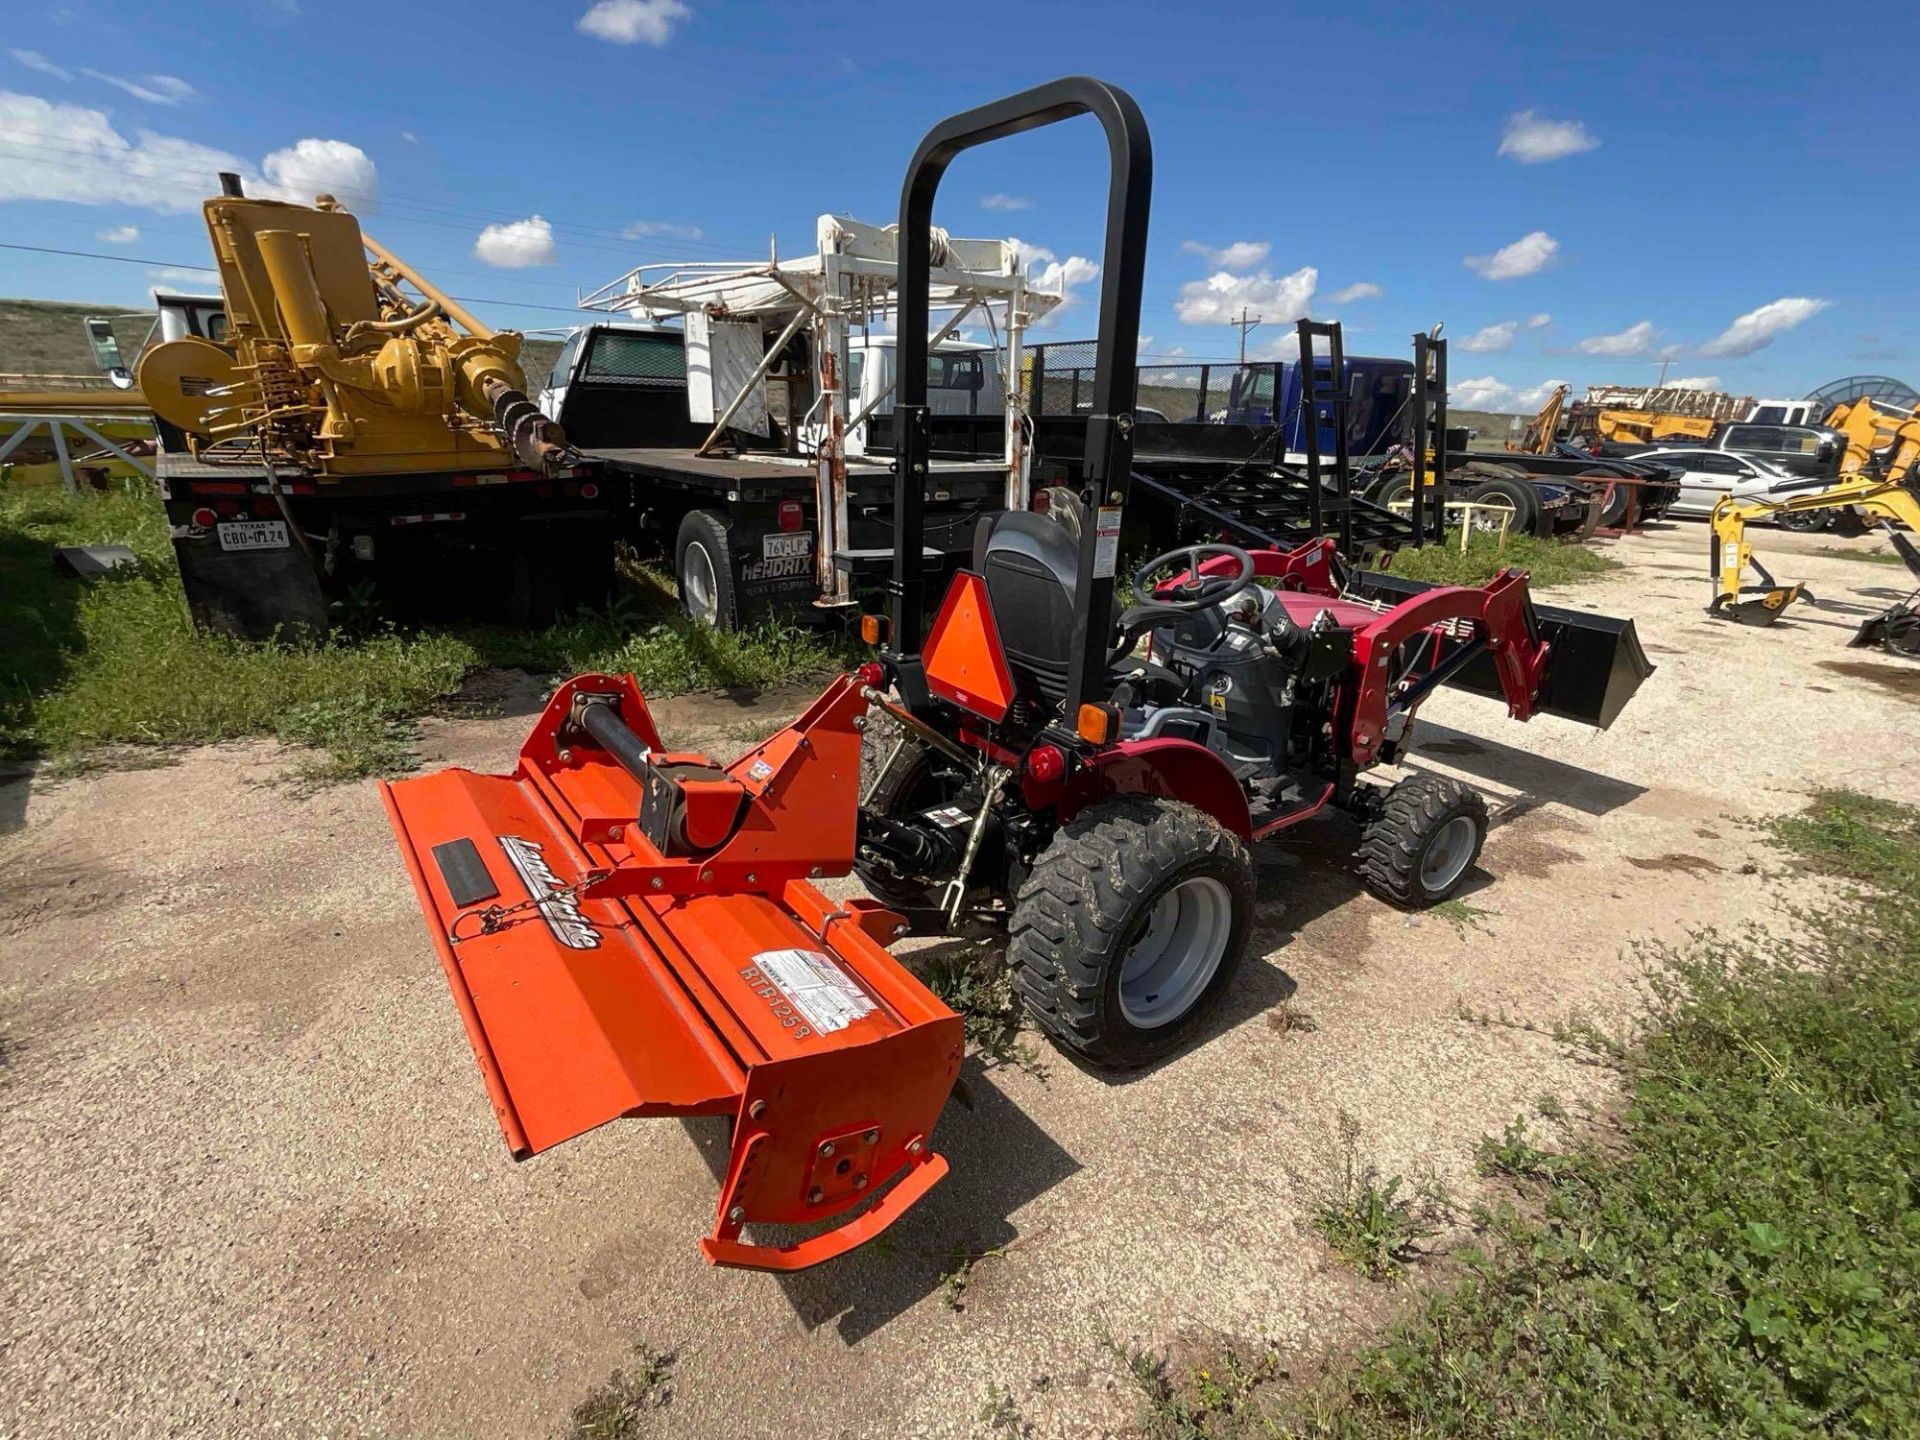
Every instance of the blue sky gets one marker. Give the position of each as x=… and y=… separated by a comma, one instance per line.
x=1728, y=189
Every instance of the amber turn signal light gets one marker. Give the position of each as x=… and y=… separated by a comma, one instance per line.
x=873, y=629
x=1097, y=723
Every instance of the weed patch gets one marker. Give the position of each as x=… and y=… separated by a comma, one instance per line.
x=980, y=991
x=1221, y=1398
x=1547, y=562
x=1748, y=1262
x=1372, y=1224
x=621, y=1408
x=114, y=661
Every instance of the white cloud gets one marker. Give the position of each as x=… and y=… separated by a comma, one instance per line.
x=1525, y=256
x=633, y=22
x=1540, y=321
x=1240, y=255
x=1755, y=329
x=1063, y=275
x=517, y=245
x=174, y=276
x=1488, y=393
x=645, y=229
x=1284, y=346
x=1531, y=138
x=409, y=137
x=1365, y=290
x=1634, y=340
x=1221, y=296
x=154, y=89
x=119, y=235
x=73, y=154
x=1485, y=393
x=1695, y=382
x=1492, y=339
x=1046, y=272
x=70, y=153
x=34, y=60
x=1000, y=201
x=322, y=167
x=1536, y=397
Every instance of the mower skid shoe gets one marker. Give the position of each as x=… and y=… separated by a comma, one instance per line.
x=586, y=999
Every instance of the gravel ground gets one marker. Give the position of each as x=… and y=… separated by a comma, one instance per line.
x=250, y=1182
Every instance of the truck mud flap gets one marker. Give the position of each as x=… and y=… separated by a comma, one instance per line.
x=597, y=978
x=1595, y=665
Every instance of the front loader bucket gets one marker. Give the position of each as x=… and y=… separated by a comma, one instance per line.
x=607, y=961
x=1895, y=629
x=1594, y=662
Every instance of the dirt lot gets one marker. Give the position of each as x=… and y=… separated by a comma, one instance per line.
x=250, y=1182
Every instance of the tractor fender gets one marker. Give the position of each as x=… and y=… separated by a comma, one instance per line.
x=1176, y=769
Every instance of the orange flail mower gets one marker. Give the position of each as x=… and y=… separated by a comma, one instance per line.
x=634, y=932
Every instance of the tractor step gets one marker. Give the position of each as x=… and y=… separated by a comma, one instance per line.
x=600, y=975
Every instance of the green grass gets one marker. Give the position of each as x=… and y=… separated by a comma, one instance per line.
x=1737, y=1254
x=115, y=661
x=1547, y=562
x=1870, y=557
x=1748, y=1261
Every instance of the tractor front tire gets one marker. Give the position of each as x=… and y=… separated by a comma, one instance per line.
x=1130, y=927
x=1426, y=837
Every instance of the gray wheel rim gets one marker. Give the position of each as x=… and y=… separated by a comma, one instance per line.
x=1169, y=967
x=1447, y=856
x=1487, y=522
x=699, y=588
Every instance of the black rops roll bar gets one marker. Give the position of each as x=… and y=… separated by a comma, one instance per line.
x=1108, y=457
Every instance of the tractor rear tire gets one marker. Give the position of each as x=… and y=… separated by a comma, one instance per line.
x=1130, y=927
x=1424, y=840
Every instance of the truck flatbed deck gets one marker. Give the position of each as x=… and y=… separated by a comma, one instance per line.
x=776, y=475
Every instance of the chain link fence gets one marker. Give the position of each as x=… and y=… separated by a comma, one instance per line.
x=1058, y=380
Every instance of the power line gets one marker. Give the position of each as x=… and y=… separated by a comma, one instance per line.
x=210, y=270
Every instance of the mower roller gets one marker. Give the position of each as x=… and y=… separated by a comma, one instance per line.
x=630, y=931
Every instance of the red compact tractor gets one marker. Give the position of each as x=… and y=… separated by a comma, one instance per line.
x=630, y=931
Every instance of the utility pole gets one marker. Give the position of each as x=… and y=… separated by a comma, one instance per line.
x=1243, y=325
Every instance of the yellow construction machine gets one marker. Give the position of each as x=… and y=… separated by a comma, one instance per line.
x=1881, y=481
x=328, y=365
x=335, y=432
x=1646, y=427
x=1544, y=428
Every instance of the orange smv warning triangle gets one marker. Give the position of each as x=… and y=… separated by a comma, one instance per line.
x=964, y=661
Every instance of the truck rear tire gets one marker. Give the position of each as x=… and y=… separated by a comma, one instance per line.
x=1515, y=494
x=703, y=570
x=1130, y=927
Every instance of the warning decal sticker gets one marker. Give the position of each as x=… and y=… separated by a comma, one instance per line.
x=817, y=988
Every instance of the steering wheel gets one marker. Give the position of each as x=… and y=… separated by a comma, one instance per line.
x=1197, y=592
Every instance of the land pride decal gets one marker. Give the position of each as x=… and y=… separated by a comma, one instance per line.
x=556, y=903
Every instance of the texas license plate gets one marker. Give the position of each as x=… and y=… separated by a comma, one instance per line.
x=787, y=547
x=253, y=535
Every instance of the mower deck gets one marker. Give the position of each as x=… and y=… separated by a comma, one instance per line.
x=598, y=978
